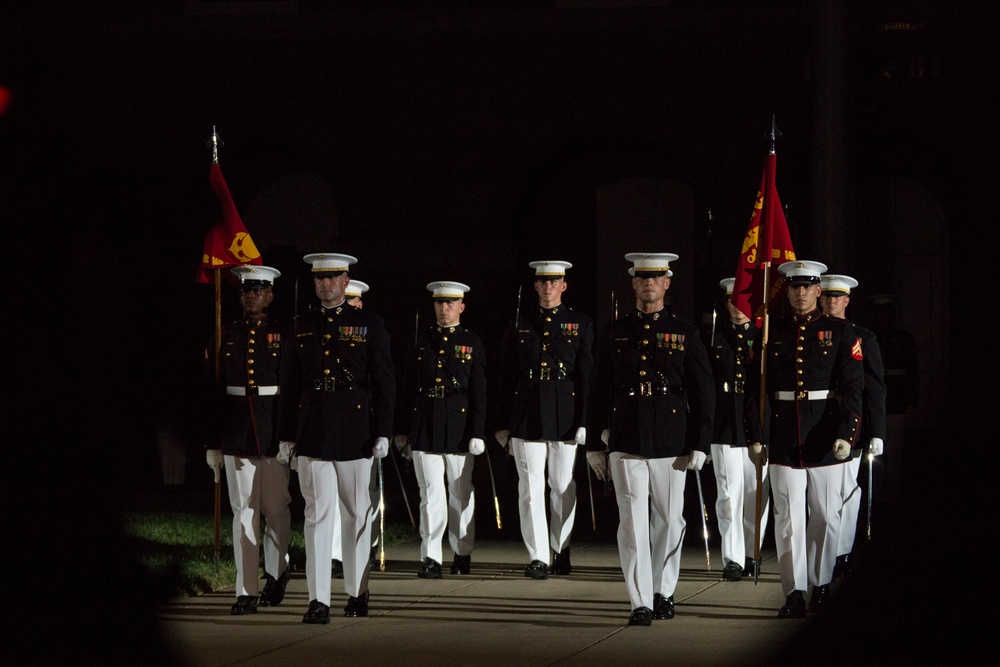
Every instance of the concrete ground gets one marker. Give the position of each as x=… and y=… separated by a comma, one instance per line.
x=497, y=616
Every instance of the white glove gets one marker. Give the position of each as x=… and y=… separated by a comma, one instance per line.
x=502, y=437
x=875, y=446
x=605, y=436
x=286, y=450
x=213, y=457
x=294, y=463
x=581, y=436
x=476, y=446
x=757, y=453
x=599, y=463
x=381, y=448
x=696, y=460
x=841, y=449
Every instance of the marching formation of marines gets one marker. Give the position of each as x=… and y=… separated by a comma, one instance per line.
x=786, y=419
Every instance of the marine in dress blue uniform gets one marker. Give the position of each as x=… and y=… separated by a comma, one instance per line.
x=732, y=349
x=249, y=363
x=545, y=363
x=353, y=292
x=443, y=416
x=814, y=381
x=834, y=300
x=651, y=384
x=338, y=389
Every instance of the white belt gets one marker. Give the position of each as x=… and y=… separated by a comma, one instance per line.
x=802, y=395
x=259, y=391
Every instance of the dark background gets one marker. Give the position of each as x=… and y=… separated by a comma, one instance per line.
x=459, y=141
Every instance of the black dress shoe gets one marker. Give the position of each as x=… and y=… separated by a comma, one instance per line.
x=842, y=567
x=641, y=616
x=318, y=613
x=820, y=598
x=245, y=604
x=337, y=569
x=431, y=569
x=537, y=570
x=357, y=606
x=795, y=606
x=461, y=564
x=274, y=589
x=748, y=567
x=663, y=607
x=733, y=572
x=560, y=563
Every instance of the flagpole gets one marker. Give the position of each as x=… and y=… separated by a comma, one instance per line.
x=215, y=143
x=226, y=241
x=218, y=380
x=762, y=394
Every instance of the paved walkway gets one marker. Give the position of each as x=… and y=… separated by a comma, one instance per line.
x=920, y=595
x=496, y=616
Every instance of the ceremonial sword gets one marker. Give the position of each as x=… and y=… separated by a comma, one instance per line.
x=704, y=520
x=871, y=458
x=402, y=488
x=496, y=501
x=381, y=519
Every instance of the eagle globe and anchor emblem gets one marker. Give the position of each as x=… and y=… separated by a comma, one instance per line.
x=243, y=248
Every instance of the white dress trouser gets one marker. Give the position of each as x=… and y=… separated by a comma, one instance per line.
x=530, y=458
x=649, y=546
x=807, y=504
x=736, y=503
x=852, y=505
x=454, y=509
x=337, y=550
x=325, y=484
x=258, y=486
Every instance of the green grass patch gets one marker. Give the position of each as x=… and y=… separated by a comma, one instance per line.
x=177, y=549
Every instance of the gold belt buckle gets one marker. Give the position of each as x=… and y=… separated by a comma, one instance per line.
x=645, y=388
x=802, y=395
x=545, y=374
x=437, y=392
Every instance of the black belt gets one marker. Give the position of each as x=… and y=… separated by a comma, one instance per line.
x=440, y=392
x=653, y=389
x=542, y=374
x=332, y=384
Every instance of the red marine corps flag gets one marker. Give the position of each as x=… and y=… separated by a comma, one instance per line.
x=227, y=243
x=766, y=243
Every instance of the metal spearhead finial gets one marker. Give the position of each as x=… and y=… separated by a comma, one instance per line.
x=775, y=132
x=215, y=143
